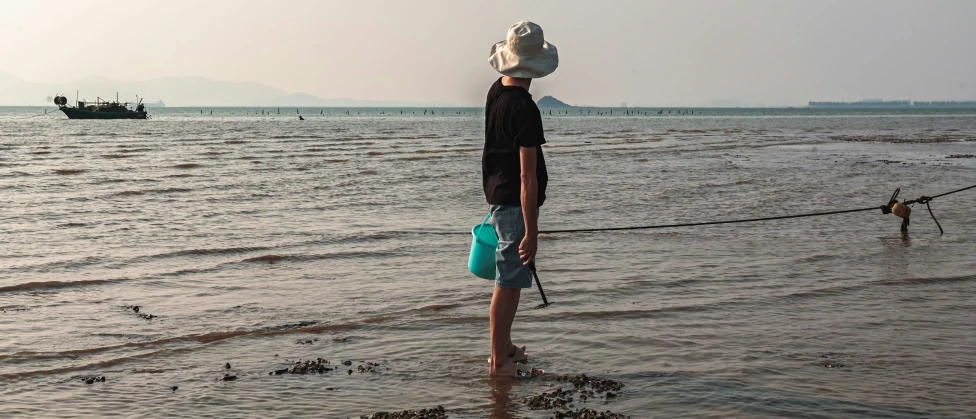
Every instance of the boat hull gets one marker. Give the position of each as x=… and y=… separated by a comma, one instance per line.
x=75, y=113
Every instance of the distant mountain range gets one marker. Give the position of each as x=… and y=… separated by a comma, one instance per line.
x=177, y=91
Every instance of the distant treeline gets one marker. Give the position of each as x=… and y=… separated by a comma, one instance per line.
x=896, y=103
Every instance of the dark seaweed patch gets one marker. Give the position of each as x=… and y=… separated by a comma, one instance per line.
x=435, y=413
x=584, y=388
x=69, y=171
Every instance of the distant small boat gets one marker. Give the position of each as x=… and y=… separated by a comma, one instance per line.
x=100, y=109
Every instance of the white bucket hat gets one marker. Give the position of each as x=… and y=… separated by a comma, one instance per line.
x=525, y=53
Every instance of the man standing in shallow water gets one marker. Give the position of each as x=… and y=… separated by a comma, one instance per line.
x=514, y=176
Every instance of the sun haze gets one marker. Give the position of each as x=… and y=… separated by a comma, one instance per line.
x=703, y=53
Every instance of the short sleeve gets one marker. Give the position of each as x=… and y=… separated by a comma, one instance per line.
x=528, y=127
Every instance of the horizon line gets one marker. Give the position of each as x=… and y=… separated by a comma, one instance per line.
x=666, y=107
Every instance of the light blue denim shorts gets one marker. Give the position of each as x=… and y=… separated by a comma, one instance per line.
x=509, y=225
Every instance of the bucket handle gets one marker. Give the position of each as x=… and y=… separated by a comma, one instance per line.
x=478, y=234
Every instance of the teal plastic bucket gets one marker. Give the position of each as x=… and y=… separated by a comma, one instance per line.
x=481, y=261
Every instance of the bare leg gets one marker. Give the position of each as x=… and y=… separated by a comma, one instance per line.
x=501, y=314
x=511, y=346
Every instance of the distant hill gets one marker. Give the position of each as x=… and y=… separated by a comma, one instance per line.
x=176, y=91
x=550, y=102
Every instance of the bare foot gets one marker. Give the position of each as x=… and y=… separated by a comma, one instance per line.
x=509, y=369
x=516, y=354
x=513, y=350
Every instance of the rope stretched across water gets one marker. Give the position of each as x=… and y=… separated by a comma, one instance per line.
x=922, y=200
x=925, y=200
x=748, y=220
x=944, y=194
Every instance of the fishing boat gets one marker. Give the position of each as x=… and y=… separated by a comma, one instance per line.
x=101, y=109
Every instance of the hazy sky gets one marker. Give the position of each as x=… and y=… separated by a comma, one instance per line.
x=675, y=52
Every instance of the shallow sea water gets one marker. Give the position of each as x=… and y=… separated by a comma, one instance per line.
x=258, y=240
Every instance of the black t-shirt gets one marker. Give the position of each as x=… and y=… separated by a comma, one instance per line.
x=512, y=120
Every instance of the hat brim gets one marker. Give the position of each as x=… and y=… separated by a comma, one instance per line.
x=504, y=61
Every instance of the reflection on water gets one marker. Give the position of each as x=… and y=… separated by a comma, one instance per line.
x=501, y=403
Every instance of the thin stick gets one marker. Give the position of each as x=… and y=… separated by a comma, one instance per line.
x=545, y=302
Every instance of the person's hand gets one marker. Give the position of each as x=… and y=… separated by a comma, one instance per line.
x=528, y=247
